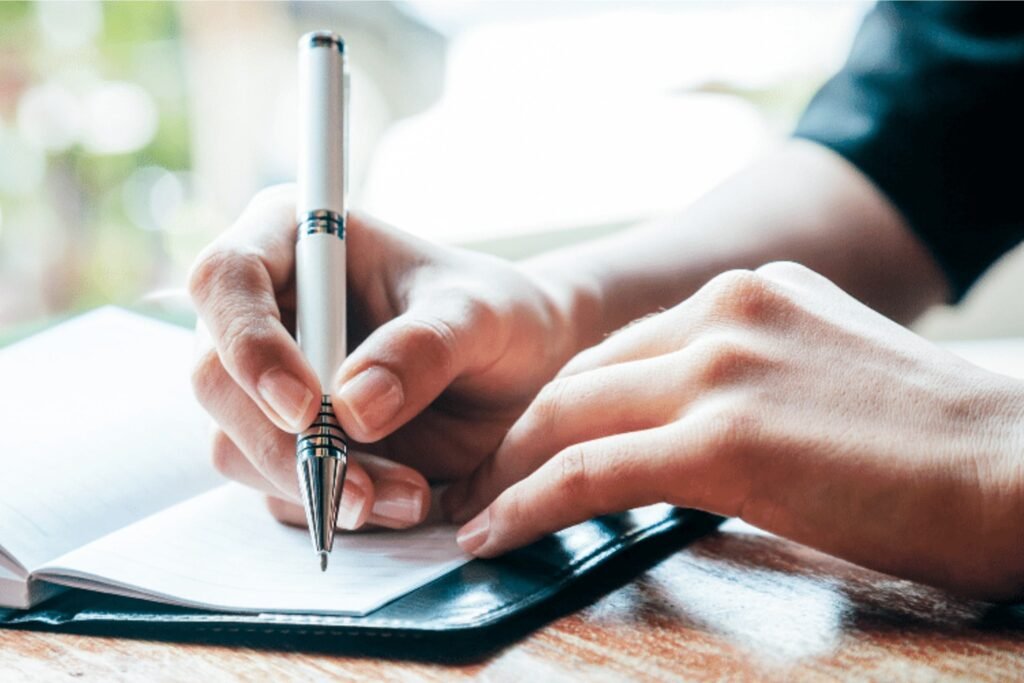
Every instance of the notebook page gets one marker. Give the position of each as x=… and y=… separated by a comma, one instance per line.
x=223, y=550
x=98, y=428
x=18, y=592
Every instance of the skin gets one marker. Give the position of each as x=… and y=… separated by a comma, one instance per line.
x=773, y=396
x=777, y=393
x=462, y=342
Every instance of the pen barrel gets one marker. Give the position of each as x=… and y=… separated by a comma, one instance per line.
x=320, y=314
x=321, y=210
x=323, y=124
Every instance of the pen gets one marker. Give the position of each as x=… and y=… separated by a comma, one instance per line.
x=321, y=451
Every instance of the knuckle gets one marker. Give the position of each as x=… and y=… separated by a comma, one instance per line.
x=732, y=429
x=217, y=265
x=434, y=338
x=478, y=313
x=208, y=267
x=726, y=282
x=204, y=270
x=511, y=509
x=572, y=464
x=724, y=360
x=245, y=342
x=222, y=453
x=747, y=297
x=207, y=375
x=549, y=404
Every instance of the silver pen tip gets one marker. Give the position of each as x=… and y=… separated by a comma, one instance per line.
x=323, y=561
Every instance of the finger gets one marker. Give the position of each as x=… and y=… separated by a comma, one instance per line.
x=583, y=481
x=406, y=363
x=229, y=460
x=736, y=298
x=401, y=494
x=286, y=512
x=621, y=398
x=234, y=284
x=357, y=495
x=293, y=514
x=268, y=448
x=400, y=501
x=645, y=337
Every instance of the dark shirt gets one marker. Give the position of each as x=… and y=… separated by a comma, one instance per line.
x=930, y=106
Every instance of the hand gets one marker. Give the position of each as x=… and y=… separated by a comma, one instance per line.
x=775, y=397
x=447, y=349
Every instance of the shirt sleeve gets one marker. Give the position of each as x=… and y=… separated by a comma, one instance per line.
x=930, y=106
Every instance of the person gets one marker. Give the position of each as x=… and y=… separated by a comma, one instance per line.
x=690, y=360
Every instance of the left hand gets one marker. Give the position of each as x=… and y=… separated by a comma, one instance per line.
x=775, y=397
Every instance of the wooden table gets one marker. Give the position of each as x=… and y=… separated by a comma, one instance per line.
x=737, y=605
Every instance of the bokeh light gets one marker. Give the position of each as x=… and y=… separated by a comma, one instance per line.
x=22, y=164
x=69, y=25
x=152, y=198
x=50, y=116
x=131, y=134
x=119, y=118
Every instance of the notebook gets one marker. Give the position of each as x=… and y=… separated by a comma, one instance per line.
x=98, y=536
x=106, y=485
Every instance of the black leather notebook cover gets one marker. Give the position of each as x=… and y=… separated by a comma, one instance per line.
x=578, y=564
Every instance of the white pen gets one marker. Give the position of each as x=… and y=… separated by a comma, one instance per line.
x=321, y=451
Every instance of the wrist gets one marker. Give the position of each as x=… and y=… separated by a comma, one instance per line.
x=573, y=301
x=994, y=569
x=1013, y=476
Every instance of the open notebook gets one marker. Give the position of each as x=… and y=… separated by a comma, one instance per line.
x=105, y=484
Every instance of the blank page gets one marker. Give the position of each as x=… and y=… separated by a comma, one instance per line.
x=223, y=550
x=98, y=429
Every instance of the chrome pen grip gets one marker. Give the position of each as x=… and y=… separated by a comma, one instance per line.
x=325, y=437
x=321, y=460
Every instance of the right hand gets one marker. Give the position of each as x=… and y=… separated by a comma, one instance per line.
x=448, y=347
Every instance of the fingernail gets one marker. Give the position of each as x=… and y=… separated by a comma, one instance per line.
x=286, y=396
x=472, y=536
x=374, y=397
x=399, y=502
x=350, y=509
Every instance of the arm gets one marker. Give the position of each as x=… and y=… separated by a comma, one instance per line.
x=773, y=395
x=926, y=108
x=802, y=203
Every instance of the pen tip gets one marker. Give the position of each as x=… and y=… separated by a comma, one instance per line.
x=323, y=561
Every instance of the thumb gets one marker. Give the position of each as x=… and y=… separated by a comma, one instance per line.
x=407, y=362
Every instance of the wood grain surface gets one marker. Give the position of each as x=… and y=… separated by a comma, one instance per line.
x=740, y=605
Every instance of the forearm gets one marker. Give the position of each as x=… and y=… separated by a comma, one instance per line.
x=802, y=203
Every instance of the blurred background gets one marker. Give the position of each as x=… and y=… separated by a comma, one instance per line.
x=132, y=133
